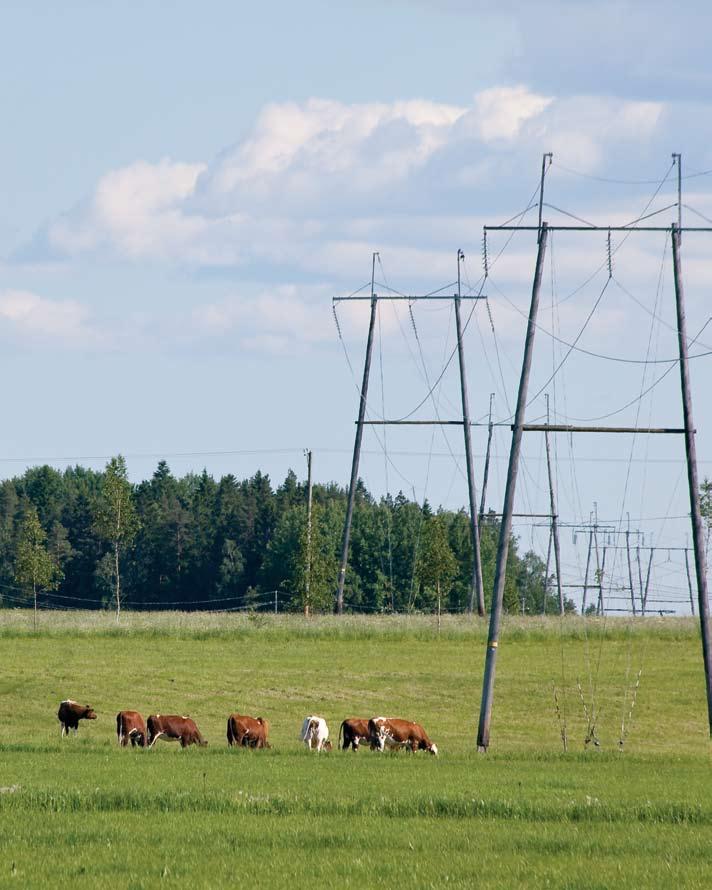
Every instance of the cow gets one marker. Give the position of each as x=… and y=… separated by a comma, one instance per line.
x=250, y=732
x=131, y=727
x=353, y=730
x=173, y=727
x=315, y=733
x=393, y=733
x=71, y=712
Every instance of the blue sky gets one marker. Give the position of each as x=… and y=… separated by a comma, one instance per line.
x=185, y=187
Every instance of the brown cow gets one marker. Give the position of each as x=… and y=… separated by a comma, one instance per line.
x=131, y=727
x=173, y=727
x=354, y=730
x=71, y=712
x=393, y=733
x=250, y=732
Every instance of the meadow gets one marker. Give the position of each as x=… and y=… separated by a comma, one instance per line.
x=82, y=812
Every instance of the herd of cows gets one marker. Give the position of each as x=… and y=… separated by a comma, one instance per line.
x=252, y=732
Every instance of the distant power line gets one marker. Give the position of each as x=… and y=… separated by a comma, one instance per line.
x=164, y=455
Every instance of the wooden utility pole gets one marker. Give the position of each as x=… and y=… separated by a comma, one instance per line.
x=630, y=572
x=357, y=445
x=647, y=581
x=458, y=297
x=601, y=576
x=476, y=590
x=307, y=579
x=483, y=731
x=585, y=577
x=554, y=517
x=546, y=573
x=485, y=474
x=698, y=539
x=689, y=581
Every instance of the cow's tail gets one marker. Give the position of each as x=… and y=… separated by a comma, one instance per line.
x=120, y=728
x=341, y=729
x=230, y=734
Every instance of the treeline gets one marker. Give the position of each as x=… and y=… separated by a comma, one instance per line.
x=200, y=543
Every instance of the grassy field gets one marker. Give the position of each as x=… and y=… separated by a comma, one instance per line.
x=83, y=812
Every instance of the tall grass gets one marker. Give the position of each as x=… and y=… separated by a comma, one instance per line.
x=18, y=623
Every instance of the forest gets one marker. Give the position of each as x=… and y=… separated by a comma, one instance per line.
x=91, y=539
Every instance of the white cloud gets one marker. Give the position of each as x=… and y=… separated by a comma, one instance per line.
x=299, y=147
x=498, y=114
x=136, y=210
x=279, y=320
x=29, y=316
x=297, y=188
x=315, y=187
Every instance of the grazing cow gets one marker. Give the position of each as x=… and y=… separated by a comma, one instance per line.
x=71, y=712
x=131, y=727
x=174, y=728
x=250, y=732
x=315, y=733
x=353, y=730
x=392, y=733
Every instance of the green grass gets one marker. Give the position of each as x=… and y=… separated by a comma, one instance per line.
x=83, y=812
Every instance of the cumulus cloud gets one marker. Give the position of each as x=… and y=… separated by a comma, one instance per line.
x=136, y=210
x=27, y=316
x=306, y=185
x=313, y=188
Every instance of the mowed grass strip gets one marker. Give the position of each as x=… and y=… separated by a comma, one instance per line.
x=525, y=813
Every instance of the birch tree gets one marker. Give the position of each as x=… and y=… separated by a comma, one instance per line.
x=437, y=565
x=35, y=567
x=116, y=520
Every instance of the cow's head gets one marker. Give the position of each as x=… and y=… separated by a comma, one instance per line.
x=376, y=736
x=433, y=749
x=89, y=713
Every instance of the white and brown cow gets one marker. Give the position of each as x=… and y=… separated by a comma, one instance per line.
x=315, y=733
x=390, y=732
x=131, y=727
x=250, y=732
x=71, y=712
x=353, y=730
x=174, y=728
